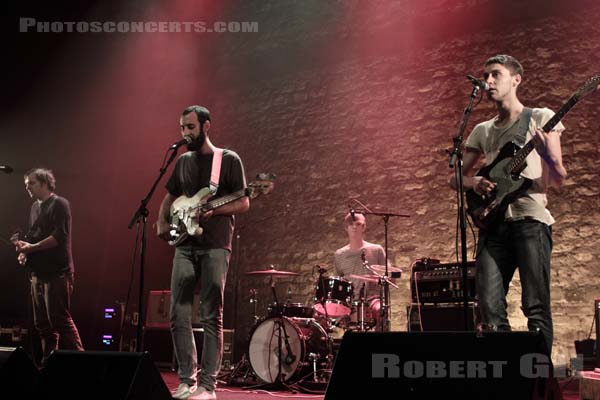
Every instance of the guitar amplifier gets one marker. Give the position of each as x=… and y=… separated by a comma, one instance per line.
x=159, y=306
x=434, y=282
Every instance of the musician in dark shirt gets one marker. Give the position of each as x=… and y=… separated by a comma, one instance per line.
x=201, y=259
x=47, y=254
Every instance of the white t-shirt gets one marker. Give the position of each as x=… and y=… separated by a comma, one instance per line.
x=489, y=138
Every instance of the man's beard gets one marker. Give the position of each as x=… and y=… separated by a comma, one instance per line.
x=196, y=144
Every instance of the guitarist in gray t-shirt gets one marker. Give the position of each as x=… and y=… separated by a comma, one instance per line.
x=521, y=235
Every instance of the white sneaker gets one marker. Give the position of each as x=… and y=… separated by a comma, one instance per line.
x=204, y=394
x=184, y=391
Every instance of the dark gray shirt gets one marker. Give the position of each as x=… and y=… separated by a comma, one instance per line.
x=192, y=173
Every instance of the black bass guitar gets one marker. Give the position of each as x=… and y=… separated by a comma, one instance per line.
x=505, y=170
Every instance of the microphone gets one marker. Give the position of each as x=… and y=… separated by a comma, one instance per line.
x=186, y=139
x=6, y=169
x=479, y=83
x=353, y=214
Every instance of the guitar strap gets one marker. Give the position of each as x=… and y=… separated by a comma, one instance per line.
x=521, y=136
x=215, y=171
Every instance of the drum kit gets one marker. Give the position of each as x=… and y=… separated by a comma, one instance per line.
x=295, y=341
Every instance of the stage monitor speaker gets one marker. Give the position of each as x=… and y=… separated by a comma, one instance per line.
x=444, y=365
x=101, y=375
x=18, y=375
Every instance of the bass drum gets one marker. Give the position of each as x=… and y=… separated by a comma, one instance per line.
x=309, y=345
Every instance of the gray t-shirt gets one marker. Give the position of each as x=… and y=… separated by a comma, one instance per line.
x=349, y=262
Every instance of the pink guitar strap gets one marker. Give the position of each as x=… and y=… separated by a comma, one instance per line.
x=215, y=172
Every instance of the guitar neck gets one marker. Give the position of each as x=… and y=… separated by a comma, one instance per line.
x=221, y=201
x=522, y=154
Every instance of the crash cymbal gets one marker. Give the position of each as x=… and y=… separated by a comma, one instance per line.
x=272, y=272
x=368, y=278
x=380, y=269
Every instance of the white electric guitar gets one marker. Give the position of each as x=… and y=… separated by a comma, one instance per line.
x=183, y=216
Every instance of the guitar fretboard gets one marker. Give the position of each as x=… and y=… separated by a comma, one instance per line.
x=521, y=155
x=221, y=201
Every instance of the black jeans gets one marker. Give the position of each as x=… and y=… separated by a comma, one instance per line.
x=51, y=299
x=526, y=245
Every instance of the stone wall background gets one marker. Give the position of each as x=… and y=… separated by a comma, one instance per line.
x=340, y=99
x=347, y=100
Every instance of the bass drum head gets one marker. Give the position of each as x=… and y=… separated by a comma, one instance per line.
x=309, y=346
x=263, y=350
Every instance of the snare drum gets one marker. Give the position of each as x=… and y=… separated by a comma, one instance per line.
x=309, y=345
x=337, y=293
x=295, y=310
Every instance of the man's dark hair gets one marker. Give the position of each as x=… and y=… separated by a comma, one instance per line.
x=43, y=176
x=511, y=63
x=201, y=112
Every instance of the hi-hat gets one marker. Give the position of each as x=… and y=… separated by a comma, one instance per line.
x=272, y=272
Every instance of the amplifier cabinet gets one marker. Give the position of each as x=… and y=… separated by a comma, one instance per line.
x=441, y=317
x=441, y=283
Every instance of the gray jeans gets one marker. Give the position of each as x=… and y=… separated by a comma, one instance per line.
x=51, y=299
x=527, y=245
x=209, y=267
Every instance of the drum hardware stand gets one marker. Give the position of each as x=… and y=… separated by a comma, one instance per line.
x=360, y=312
x=384, y=279
x=384, y=292
x=244, y=363
x=290, y=357
x=322, y=300
x=254, y=302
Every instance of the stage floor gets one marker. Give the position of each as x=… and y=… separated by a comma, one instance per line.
x=569, y=387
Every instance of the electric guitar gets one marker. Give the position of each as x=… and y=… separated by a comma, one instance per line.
x=505, y=171
x=14, y=239
x=183, y=221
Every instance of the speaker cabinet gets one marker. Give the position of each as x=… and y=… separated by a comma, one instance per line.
x=441, y=317
x=18, y=375
x=101, y=375
x=444, y=365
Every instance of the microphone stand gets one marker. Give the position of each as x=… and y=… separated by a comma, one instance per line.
x=457, y=155
x=385, y=278
x=141, y=216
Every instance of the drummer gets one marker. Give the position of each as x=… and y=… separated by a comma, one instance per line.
x=348, y=259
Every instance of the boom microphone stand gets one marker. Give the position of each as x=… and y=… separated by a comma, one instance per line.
x=457, y=155
x=141, y=216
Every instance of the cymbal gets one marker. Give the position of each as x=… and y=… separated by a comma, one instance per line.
x=368, y=278
x=272, y=272
x=381, y=268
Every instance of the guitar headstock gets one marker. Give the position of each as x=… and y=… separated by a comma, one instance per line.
x=263, y=184
x=590, y=86
x=15, y=237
